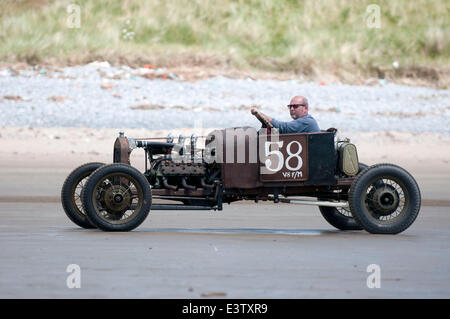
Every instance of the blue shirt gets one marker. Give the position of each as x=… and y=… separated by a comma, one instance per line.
x=305, y=124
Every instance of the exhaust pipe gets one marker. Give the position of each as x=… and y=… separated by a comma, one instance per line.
x=204, y=185
x=167, y=185
x=186, y=186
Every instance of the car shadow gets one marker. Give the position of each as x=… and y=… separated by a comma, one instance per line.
x=271, y=231
x=243, y=231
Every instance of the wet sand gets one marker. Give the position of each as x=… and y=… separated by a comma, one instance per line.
x=245, y=251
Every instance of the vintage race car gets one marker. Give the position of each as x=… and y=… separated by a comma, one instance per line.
x=242, y=164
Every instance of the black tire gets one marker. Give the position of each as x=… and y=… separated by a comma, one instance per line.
x=101, y=190
x=69, y=195
x=362, y=167
x=341, y=218
x=384, y=199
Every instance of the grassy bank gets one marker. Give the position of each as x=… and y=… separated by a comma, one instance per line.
x=308, y=37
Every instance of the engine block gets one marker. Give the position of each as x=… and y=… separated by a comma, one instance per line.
x=169, y=168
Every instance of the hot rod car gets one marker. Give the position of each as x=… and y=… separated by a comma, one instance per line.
x=242, y=164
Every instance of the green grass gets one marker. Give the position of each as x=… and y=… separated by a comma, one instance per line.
x=309, y=37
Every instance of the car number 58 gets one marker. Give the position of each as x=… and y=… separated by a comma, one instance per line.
x=292, y=158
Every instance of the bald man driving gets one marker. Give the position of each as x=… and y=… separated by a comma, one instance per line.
x=302, y=122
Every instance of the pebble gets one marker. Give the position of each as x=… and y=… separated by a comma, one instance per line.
x=214, y=103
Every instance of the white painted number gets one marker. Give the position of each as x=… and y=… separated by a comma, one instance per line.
x=296, y=155
x=280, y=156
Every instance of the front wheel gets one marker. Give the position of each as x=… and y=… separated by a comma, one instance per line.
x=117, y=197
x=384, y=199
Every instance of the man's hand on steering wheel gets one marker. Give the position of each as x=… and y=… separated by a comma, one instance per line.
x=261, y=117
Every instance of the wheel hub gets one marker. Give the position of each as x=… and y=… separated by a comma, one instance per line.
x=384, y=199
x=117, y=199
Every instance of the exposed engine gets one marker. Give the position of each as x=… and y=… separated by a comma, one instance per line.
x=173, y=166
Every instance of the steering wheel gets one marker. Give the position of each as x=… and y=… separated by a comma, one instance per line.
x=263, y=121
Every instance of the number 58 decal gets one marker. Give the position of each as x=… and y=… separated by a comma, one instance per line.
x=280, y=156
x=284, y=159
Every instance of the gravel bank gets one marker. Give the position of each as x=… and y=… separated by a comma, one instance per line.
x=98, y=95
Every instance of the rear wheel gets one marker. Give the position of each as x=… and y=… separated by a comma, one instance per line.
x=385, y=199
x=71, y=194
x=340, y=217
x=117, y=197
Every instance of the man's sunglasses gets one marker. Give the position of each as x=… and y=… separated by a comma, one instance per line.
x=295, y=105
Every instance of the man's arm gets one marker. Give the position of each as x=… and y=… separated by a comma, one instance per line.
x=301, y=125
x=254, y=110
x=283, y=127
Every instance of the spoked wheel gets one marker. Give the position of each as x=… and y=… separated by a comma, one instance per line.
x=385, y=199
x=341, y=217
x=71, y=194
x=117, y=197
